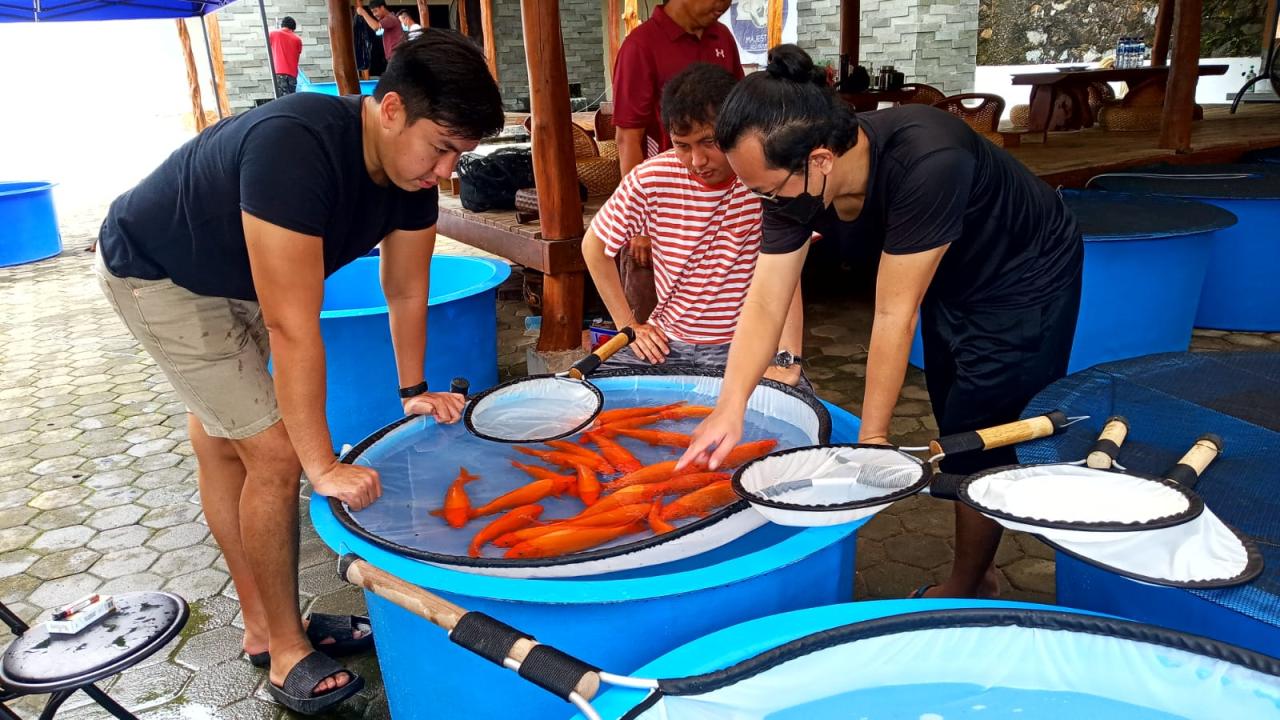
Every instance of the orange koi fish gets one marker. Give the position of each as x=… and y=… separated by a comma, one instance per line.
x=536, y=472
x=656, y=523
x=657, y=437
x=700, y=502
x=513, y=520
x=564, y=459
x=616, y=454
x=610, y=416
x=570, y=540
x=624, y=515
x=747, y=452
x=592, y=459
x=527, y=495
x=686, y=411
x=612, y=428
x=515, y=537
x=626, y=496
x=457, y=506
x=682, y=484
x=588, y=485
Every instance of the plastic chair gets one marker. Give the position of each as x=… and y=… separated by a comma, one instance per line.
x=37, y=663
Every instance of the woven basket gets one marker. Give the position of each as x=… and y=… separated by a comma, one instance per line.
x=601, y=175
x=1020, y=116
x=1129, y=119
x=608, y=149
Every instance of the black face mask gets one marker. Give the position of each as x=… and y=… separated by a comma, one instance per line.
x=803, y=208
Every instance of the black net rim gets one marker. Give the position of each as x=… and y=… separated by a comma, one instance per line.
x=349, y=523
x=1195, y=505
x=1026, y=618
x=475, y=401
x=926, y=476
x=1252, y=568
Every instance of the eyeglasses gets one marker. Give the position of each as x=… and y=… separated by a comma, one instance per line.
x=773, y=196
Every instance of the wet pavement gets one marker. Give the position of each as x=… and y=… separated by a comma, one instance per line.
x=98, y=493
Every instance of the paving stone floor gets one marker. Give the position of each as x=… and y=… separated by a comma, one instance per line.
x=97, y=487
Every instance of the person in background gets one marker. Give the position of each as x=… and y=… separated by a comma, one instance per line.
x=982, y=251
x=411, y=28
x=677, y=34
x=384, y=24
x=216, y=263
x=705, y=230
x=286, y=48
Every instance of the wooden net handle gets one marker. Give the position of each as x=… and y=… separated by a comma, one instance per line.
x=1000, y=435
x=1107, y=448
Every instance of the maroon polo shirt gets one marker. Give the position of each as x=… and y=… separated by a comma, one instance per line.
x=656, y=51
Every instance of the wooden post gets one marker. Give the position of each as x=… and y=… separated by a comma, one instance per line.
x=424, y=17
x=850, y=34
x=612, y=19
x=219, y=67
x=463, y=26
x=555, y=173
x=193, y=79
x=490, y=42
x=773, y=26
x=1180, y=92
x=1164, y=29
x=342, y=44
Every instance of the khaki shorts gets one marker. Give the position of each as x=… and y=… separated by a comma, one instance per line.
x=213, y=350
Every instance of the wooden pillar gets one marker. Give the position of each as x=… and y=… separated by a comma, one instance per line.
x=1180, y=92
x=424, y=17
x=612, y=21
x=464, y=27
x=773, y=25
x=490, y=42
x=193, y=79
x=1164, y=29
x=850, y=31
x=555, y=173
x=219, y=67
x=342, y=44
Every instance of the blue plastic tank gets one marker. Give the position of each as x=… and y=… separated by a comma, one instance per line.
x=30, y=223
x=331, y=88
x=619, y=621
x=1145, y=263
x=462, y=339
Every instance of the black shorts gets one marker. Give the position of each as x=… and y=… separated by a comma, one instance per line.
x=982, y=367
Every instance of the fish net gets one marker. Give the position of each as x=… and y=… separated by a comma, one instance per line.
x=981, y=663
x=417, y=461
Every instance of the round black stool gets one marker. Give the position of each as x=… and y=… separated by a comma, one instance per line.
x=58, y=665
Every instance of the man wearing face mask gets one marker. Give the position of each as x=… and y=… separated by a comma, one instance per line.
x=216, y=263
x=984, y=252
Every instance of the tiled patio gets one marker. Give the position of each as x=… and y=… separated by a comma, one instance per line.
x=97, y=487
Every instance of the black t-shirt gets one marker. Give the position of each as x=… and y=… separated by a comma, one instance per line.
x=935, y=181
x=296, y=162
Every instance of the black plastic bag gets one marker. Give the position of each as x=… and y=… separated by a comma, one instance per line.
x=490, y=182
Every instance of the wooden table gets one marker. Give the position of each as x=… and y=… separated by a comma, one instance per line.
x=1048, y=88
x=869, y=100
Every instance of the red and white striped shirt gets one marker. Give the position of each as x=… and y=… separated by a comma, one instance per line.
x=705, y=244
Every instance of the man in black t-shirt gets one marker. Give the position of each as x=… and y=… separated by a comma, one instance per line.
x=216, y=262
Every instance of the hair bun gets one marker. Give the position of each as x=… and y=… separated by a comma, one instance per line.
x=789, y=62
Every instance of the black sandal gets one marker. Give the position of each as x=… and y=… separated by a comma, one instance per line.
x=298, y=693
x=323, y=626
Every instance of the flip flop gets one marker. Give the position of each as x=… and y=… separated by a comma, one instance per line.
x=323, y=626
x=919, y=592
x=297, y=694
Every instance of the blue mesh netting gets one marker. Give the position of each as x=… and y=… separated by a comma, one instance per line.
x=1170, y=400
x=1270, y=155
x=1113, y=215
x=1261, y=181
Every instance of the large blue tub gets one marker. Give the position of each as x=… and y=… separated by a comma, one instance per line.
x=619, y=621
x=331, y=88
x=1145, y=260
x=29, y=221
x=1240, y=290
x=462, y=339
x=934, y=659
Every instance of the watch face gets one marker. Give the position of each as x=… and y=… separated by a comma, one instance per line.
x=784, y=359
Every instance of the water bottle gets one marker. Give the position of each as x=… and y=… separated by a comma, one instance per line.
x=1120, y=52
x=1126, y=53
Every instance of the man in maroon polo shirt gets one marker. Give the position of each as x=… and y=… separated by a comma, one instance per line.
x=677, y=35
x=384, y=24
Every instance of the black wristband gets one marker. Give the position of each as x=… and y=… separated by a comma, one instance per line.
x=413, y=391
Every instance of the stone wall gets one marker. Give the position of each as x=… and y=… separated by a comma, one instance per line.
x=244, y=48
x=583, y=34
x=1071, y=31
x=930, y=41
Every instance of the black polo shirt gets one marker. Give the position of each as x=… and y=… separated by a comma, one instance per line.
x=933, y=182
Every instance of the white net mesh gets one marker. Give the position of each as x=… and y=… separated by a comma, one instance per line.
x=827, y=476
x=1075, y=494
x=535, y=410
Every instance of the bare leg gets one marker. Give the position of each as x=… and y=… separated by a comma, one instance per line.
x=269, y=525
x=221, y=484
x=972, y=573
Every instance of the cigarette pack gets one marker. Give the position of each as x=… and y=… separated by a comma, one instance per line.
x=79, y=615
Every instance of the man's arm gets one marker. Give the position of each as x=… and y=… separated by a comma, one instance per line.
x=650, y=342
x=630, y=148
x=792, y=340
x=369, y=19
x=406, y=283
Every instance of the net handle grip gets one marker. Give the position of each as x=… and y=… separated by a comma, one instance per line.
x=588, y=364
x=1107, y=448
x=1001, y=435
x=434, y=609
x=1206, y=449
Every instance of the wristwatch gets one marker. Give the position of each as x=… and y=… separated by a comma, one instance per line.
x=413, y=391
x=784, y=359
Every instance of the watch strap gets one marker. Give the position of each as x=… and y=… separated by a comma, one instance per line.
x=414, y=390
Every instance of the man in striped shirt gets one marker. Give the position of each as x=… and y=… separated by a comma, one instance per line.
x=704, y=226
